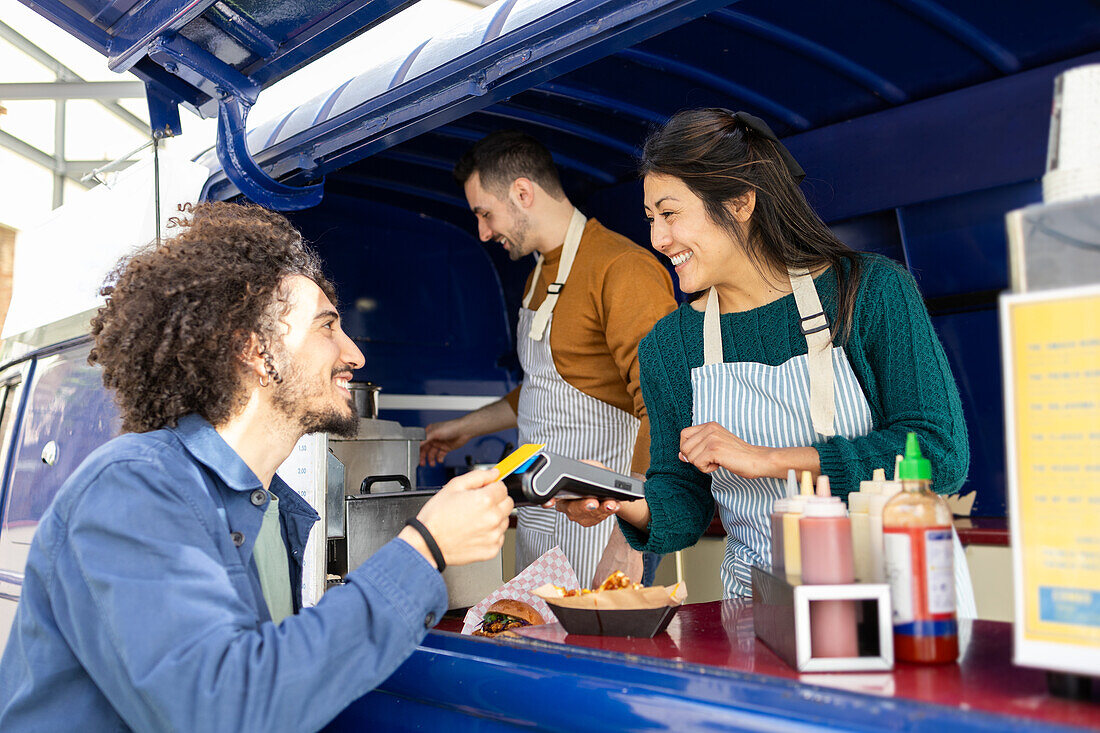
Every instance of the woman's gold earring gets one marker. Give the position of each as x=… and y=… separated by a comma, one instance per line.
x=263, y=382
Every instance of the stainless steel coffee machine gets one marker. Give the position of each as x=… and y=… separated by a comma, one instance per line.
x=371, y=492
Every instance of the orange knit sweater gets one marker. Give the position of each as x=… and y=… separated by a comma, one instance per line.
x=615, y=292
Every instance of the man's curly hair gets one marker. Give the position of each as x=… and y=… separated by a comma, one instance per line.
x=180, y=315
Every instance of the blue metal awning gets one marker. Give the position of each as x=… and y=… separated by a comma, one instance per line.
x=588, y=77
x=591, y=77
x=504, y=49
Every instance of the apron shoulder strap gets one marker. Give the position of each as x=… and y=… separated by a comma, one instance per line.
x=568, y=254
x=819, y=352
x=815, y=328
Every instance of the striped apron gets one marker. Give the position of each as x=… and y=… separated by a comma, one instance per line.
x=569, y=422
x=791, y=405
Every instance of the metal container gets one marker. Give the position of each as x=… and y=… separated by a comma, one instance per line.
x=365, y=395
x=382, y=448
x=373, y=519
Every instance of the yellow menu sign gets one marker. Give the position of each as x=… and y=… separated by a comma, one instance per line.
x=1052, y=389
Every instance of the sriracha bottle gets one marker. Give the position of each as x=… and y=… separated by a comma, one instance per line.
x=916, y=526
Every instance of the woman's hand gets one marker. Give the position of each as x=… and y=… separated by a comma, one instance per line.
x=590, y=511
x=586, y=512
x=710, y=446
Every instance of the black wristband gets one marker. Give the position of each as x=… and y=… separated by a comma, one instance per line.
x=437, y=554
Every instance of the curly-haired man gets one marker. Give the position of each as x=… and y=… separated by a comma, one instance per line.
x=162, y=588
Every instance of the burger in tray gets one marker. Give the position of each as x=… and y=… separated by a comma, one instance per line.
x=505, y=615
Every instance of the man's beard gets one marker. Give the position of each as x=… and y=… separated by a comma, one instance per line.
x=520, y=226
x=294, y=400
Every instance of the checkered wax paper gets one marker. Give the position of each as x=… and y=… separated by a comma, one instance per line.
x=552, y=567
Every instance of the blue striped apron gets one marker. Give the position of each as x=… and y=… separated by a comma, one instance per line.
x=780, y=406
x=569, y=422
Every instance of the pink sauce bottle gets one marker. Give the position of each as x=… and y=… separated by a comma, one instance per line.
x=826, y=548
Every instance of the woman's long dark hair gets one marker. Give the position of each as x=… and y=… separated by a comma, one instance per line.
x=720, y=159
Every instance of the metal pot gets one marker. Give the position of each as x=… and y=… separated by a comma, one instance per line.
x=365, y=395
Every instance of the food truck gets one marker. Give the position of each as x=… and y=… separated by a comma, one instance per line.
x=919, y=124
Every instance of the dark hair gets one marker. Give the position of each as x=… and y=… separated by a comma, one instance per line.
x=180, y=315
x=720, y=159
x=505, y=155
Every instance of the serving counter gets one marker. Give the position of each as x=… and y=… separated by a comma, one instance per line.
x=707, y=672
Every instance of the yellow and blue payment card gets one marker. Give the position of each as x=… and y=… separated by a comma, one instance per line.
x=519, y=459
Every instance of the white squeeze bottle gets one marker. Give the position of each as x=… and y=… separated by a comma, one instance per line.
x=885, y=491
x=859, y=503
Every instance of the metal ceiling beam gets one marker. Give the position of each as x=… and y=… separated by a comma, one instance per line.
x=612, y=106
x=132, y=34
x=57, y=90
x=59, y=153
x=562, y=161
x=964, y=32
x=718, y=83
x=559, y=124
x=26, y=150
x=44, y=159
x=418, y=159
x=811, y=50
x=408, y=189
x=242, y=29
x=80, y=168
x=64, y=73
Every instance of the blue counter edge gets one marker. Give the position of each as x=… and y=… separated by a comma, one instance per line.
x=468, y=684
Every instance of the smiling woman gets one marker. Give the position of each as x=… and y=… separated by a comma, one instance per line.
x=797, y=352
x=735, y=170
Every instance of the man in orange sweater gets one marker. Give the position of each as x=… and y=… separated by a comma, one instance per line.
x=592, y=297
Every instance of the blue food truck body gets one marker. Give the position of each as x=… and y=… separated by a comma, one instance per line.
x=919, y=125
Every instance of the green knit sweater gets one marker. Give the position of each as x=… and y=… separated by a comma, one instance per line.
x=893, y=350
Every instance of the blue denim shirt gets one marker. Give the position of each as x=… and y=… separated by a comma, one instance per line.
x=140, y=610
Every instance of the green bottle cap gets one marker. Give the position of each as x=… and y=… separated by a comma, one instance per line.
x=914, y=466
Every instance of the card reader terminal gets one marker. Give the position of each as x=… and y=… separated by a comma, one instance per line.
x=547, y=476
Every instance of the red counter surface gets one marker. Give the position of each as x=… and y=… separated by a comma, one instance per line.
x=720, y=634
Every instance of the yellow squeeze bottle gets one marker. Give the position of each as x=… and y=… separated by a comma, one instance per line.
x=781, y=506
x=792, y=547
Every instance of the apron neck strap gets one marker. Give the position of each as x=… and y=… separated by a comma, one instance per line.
x=568, y=254
x=815, y=329
x=712, y=331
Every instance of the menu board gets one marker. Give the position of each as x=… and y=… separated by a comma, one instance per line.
x=304, y=470
x=1051, y=345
